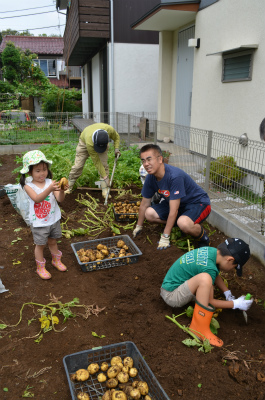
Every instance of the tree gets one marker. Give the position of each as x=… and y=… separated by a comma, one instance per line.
x=60, y=100
x=22, y=73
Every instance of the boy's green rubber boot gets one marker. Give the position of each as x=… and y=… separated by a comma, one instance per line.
x=200, y=324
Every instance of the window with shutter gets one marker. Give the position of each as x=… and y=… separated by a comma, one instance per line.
x=237, y=66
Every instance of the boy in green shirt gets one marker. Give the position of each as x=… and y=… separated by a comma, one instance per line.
x=192, y=277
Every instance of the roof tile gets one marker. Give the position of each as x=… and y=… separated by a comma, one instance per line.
x=36, y=44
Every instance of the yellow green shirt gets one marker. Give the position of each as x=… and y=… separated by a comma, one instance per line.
x=86, y=137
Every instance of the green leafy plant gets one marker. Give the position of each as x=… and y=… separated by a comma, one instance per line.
x=63, y=156
x=55, y=99
x=98, y=336
x=224, y=172
x=27, y=392
x=166, y=154
x=204, y=345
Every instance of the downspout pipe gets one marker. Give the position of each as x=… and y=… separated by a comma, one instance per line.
x=112, y=57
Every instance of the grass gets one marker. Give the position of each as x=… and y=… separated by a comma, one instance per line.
x=41, y=135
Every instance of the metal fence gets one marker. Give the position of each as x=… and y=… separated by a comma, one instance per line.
x=231, y=171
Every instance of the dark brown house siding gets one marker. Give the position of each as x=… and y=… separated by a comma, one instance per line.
x=87, y=30
x=125, y=13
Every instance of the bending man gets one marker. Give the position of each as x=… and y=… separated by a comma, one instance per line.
x=185, y=203
x=93, y=142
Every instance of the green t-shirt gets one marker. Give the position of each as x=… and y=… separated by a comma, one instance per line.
x=190, y=264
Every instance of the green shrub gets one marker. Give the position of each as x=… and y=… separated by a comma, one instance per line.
x=224, y=172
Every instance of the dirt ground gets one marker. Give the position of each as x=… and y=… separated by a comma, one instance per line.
x=133, y=311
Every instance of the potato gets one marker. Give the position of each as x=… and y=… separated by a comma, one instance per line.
x=147, y=397
x=82, y=396
x=112, y=383
x=143, y=387
x=128, y=361
x=92, y=257
x=104, y=252
x=100, y=246
x=125, y=247
x=104, y=366
x=135, y=383
x=107, y=395
x=93, y=368
x=123, y=377
x=115, y=360
x=113, y=371
x=101, y=377
x=126, y=369
x=81, y=375
x=118, y=395
x=63, y=182
x=120, y=243
x=135, y=394
x=133, y=372
x=127, y=390
x=99, y=255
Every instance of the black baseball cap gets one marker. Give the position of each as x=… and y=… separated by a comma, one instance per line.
x=100, y=139
x=239, y=250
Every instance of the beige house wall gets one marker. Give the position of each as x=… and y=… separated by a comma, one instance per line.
x=235, y=107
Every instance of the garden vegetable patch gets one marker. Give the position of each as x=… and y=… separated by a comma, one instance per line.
x=116, y=305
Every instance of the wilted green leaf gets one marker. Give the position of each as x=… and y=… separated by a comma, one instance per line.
x=96, y=335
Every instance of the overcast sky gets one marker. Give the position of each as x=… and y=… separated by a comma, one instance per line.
x=43, y=17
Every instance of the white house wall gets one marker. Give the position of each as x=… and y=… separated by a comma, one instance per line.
x=234, y=107
x=85, y=93
x=96, y=71
x=135, y=77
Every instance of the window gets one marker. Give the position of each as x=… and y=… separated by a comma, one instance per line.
x=47, y=66
x=237, y=66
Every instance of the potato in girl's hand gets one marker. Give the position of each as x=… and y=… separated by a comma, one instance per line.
x=63, y=182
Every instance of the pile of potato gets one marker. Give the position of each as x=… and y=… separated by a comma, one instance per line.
x=126, y=208
x=117, y=377
x=103, y=252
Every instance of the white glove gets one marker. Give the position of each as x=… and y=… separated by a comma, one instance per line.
x=242, y=304
x=104, y=187
x=228, y=295
x=117, y=152
x=137, y=230
x=164, y=243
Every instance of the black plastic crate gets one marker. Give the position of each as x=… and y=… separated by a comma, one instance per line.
x=126, y=217
x=110, y=242
x=95, y=389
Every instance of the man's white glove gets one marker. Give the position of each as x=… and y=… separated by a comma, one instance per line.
x=242, y=304
x=137, y=230
x=117, y=152
x=164, y=242
x=104, y=187
x=228, y=295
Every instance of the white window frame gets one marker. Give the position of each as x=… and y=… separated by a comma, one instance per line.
x=37, y=61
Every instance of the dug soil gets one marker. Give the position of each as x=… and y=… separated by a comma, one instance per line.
x=125, y=305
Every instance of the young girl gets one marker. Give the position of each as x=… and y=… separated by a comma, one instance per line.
x=44, y=211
